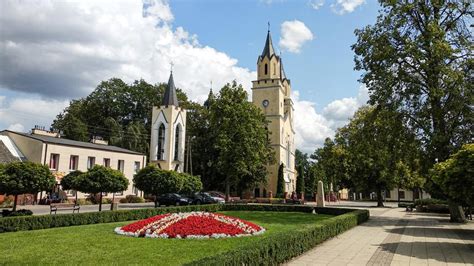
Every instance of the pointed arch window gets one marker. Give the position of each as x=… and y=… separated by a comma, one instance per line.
x=266, y=69
x=177, y=134
x=161, y=142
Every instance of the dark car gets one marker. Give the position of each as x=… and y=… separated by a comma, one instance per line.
x=206, y=198
x=173, y=199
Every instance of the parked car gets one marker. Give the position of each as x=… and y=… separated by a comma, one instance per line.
x=206, y=198
x=173, y=199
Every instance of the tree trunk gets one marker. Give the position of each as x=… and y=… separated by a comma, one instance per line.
x=14, y=202
x=100, y=202
x=156, y=201
x=379, y=197
x=227, y=189
x=456, y=213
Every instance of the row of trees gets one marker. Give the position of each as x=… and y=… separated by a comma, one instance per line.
x=417, y=63
x=97, y=180
x=227, y=133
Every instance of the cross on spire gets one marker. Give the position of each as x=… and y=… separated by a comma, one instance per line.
x=171, y=66
x=268, y=26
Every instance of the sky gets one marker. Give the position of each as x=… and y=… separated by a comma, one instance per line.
x=55, y=51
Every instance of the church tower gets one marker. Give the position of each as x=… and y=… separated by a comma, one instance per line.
x=271, y=93
x=168, y=131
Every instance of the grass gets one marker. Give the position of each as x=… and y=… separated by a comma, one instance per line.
x=98, y=244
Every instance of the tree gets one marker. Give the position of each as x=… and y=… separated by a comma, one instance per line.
x=300, y=180
x=101, y=179
x=280, y=181
x=241, y=139
x=118, y=112
x=70, y=181
x=25, y=177
x=375, y=140
x=155, y=181
x=418, y=58
x=191, y=184
x=455, y=177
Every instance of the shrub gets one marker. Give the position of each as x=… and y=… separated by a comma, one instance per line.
x=132, y=199
x=423, y=202
x=22, y=212
x=10, y=224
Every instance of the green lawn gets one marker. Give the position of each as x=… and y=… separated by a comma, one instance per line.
x=98, y=244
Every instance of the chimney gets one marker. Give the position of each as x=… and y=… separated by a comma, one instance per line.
x=40, y=130
x=99, y=140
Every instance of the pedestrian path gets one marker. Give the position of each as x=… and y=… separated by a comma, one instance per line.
x=395, y=237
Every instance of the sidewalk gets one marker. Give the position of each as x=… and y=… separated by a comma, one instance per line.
x=395, y=237
x=44, y=209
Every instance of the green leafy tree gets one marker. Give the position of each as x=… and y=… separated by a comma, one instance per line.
x=241, y=140
x=418, y=59
x=155, y=181
x=375, y=140
x=191, y=184
x=300, y=184
x=455, y=177
x=100, y=179
x=70, y=181
x=118, y=112
x=280, y=181
x=18, y=178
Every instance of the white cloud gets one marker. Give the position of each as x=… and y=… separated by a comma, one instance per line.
x=293, y=35
x=342, y=7
x=23, y=113
x=17, y=127
x=311, y=128
x=97, y=40
x=339, y=111
x=316, y=4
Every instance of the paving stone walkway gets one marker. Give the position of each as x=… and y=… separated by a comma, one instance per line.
x=395, y=237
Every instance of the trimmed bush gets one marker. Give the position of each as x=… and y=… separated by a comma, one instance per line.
x=11, y=224
x=282, y=247
x=22, y=212
x=422, y=202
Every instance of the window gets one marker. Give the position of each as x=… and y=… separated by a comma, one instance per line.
x=73, y=162
x=161, y=142
x=401, y=194
x=90, y=162
x=107, y=162
x=135, y=190
x=54, y=161
x=266, y=69
x=176, y=143
x=274, y=69
x=136, y=167
x=119, y=193
x=387, y=194
x=120, y=165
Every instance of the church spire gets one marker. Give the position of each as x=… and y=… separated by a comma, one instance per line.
x=268, y=50
x=170, y=97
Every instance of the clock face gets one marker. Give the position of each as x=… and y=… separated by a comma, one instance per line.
x=265, y=103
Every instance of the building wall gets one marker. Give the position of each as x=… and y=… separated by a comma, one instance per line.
x=408, y=195
x=65, y=153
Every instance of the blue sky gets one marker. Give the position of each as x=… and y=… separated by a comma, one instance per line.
x=56, y=51
x=322, y=71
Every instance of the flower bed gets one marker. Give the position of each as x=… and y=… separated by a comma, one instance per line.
x=190, y=225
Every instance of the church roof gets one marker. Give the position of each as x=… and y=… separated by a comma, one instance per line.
x=170, y=97
x=268, y=50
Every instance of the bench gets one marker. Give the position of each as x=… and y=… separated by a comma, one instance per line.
x=63, y=206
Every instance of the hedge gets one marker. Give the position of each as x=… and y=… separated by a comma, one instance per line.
x=23, y=223
x=281, y=247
